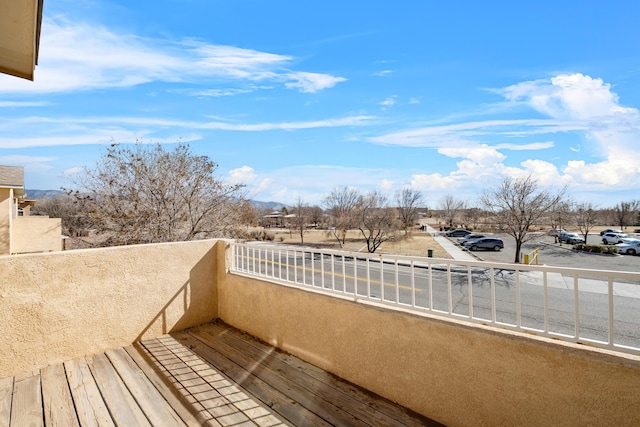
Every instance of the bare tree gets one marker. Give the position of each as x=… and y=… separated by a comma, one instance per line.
x=560, y=216
x=248, y=214
x=585, y=217
x=301, y=216
x=145, y=194
x=316, y=215
x=626, y=213
x=450, y=208
x=376, y=220
x=408, y=202
x=75, y=222
x=341, y=204
x=517, y=204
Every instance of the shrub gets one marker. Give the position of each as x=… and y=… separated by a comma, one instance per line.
x=599, y=249
x=261, y=235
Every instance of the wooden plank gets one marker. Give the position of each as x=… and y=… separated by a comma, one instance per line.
x=90, y=408
x=157, y=410
x=181, y=407
x=274, y=399
x=58, y=404
x=377, y=403
x=26, y=408
x=6, y=392
x=287, y=382
x=123, y=407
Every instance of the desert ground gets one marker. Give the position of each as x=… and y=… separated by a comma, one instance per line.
x=415, y=243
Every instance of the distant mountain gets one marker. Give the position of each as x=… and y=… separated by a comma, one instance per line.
x=42, y=194
x=276, y=206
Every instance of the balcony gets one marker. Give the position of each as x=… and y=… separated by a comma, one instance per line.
x=96, y=312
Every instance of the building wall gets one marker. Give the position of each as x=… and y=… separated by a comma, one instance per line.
x=458, y=374
x=36, y=234
x=61, y=305
x=5, y=221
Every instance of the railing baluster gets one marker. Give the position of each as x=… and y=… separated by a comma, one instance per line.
x=449, y=291
x=611, y=318
x=355, y=275
x=333, y=274
x=518, y=301
x=413, y=284
x=545, y=302
x=576, y=306
x=368, y=278
x=397, y=283
x=381, y=279
x=470, y=291
x=344, y=275
x=492, y=283
x=430, y=281
x=322, y=268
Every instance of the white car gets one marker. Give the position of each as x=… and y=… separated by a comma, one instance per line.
x=471, y=236
x=631, y=247
x=614, y=238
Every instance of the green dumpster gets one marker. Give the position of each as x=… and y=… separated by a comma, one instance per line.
x=430, y=253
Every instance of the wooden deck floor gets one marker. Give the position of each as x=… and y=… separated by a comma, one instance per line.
x=210, y=375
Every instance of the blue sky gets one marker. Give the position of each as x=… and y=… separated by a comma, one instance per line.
x=295, y=98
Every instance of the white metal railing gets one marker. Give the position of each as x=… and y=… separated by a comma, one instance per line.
x=594, y=307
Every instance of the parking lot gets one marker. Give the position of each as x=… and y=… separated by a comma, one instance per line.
x=551, y=253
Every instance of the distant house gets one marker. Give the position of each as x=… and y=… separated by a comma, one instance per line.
x=20, y=232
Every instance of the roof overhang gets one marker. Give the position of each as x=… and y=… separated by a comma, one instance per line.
x=20, y=22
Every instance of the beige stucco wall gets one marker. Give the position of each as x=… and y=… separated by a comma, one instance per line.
x=5, y=220
x=61, y=305
x=458, y=374
x=36, y=234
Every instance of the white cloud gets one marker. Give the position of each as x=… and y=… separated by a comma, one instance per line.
x=312, y=82
x=73, y=171
x=14, y=104
x=242, y=175
x=383, y=73
x=389, y=102
x=102, y=130
x=83, y=56
x=22, y=159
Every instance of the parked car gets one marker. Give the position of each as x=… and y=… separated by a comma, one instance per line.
x=570, y=238
x=489, y=243
x=470, y=236
x=458, y=232
x=614, y=238
x=629, y=248
x=610, y=230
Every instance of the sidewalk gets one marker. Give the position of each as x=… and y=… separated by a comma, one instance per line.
x=454, y=250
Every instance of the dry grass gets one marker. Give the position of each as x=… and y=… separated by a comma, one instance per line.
x=416, y=243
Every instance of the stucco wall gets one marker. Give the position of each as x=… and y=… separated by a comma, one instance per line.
x=458, y=374
x=36, y=234
x=61, y=305
x=5, y=220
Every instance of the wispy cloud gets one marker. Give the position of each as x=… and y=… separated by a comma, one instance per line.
x=18, y=104
x=382, y=73
x=83, y=56
x=103, y=130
